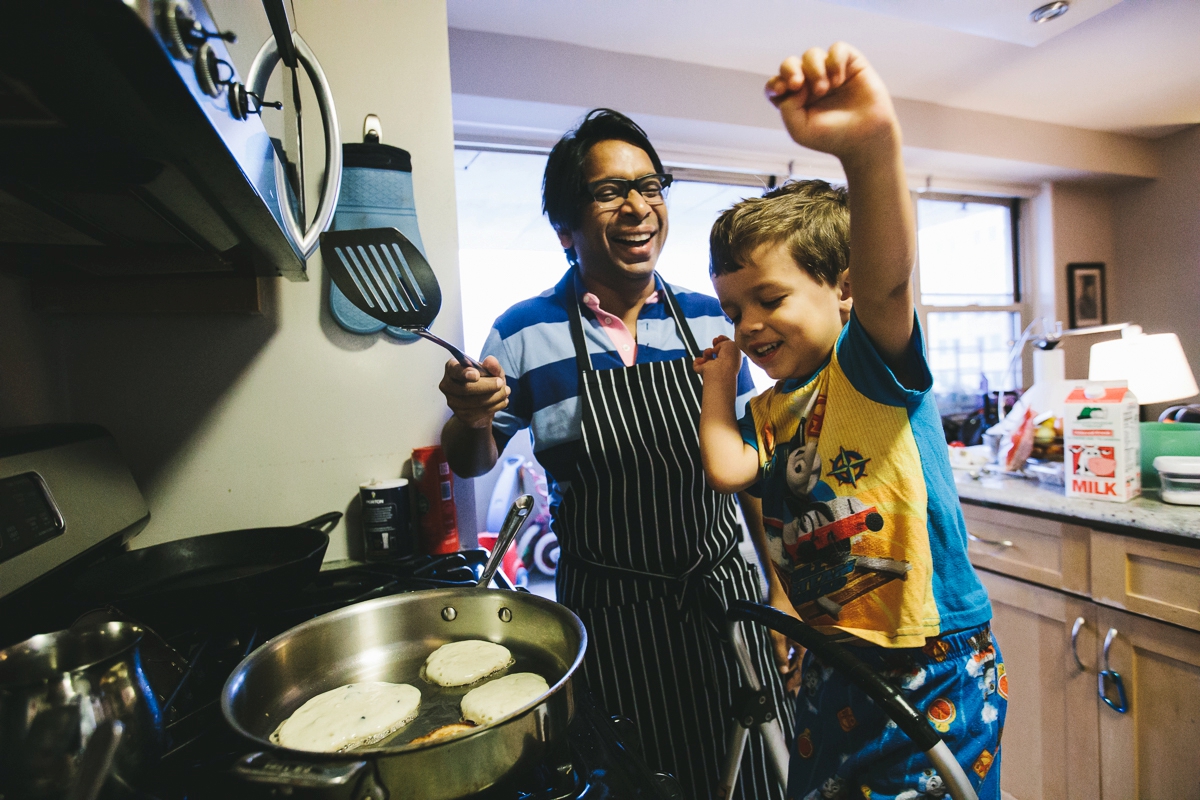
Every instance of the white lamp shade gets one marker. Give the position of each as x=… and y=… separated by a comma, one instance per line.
x=1154, y=365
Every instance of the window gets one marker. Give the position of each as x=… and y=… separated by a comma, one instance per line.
x=968, y=294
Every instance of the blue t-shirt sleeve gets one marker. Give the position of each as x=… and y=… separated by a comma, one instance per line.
x=510, y=420
x=874, y=379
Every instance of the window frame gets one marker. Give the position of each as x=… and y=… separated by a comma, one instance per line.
x=1020, y=305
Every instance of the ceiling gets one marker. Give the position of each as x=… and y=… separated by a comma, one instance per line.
x=1128, y=67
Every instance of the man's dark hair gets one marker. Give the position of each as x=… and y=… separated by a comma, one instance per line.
x=564, y=192
x=812, y=218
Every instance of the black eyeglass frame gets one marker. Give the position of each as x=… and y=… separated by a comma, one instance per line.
x=625, y=185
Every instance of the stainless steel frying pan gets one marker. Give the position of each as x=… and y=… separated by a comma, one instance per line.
x=389, y=639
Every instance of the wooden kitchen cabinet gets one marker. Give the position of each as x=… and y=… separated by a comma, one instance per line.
x=1044, y=551
x=1061, y=739
x=1152, y=751
x=1151, y=578
x=1050, y=744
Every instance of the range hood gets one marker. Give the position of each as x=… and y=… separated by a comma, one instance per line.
x=130, y=147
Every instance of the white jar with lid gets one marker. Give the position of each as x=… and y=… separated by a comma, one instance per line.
x=1180, y=476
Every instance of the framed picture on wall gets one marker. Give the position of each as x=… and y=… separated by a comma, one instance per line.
x=1086, y=295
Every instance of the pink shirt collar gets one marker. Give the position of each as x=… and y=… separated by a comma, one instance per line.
x=621, y=337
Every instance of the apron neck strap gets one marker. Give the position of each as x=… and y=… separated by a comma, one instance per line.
x=575, y=318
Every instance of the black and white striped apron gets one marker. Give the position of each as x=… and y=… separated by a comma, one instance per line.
x=650, y=561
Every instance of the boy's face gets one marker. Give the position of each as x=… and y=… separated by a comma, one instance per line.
x=785, y=321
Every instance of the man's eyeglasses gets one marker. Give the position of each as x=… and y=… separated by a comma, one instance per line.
x=611, y=192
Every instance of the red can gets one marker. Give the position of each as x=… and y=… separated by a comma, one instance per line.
x=437, y=517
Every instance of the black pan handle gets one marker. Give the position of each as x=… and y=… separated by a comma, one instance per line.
x=324, y=523
x=911, y=721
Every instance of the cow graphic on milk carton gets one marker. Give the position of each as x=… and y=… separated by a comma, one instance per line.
x=1101, y=439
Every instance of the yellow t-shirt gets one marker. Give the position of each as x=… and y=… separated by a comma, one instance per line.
x=862, y=519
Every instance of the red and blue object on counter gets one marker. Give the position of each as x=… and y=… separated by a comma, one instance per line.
x=436, y=515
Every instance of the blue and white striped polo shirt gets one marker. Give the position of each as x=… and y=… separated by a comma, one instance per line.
x=532, y=341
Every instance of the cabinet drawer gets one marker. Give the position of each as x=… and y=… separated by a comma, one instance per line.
x=1031, y=548
x=1158, y=580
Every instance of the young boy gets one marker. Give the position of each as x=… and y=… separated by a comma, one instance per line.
x=863, y=523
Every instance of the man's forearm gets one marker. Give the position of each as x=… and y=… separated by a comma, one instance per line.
x=470, y=452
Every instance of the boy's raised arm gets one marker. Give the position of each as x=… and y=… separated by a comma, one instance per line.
x=730, y=465
x=833, y=101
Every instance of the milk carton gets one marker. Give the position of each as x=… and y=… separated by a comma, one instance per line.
x=1102, y=442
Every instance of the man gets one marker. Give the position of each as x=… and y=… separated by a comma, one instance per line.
x=599, y=368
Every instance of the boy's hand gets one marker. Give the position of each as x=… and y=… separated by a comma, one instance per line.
x=833, y=101
x=788, y=654
x=721, y=362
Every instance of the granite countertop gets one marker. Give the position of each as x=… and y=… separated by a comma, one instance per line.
x=1145, y=513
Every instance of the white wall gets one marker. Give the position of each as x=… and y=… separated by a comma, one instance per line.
x=1083, y=233
x=241, y=421
x=1157, y=236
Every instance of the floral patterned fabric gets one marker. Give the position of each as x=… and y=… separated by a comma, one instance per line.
x=846, y=747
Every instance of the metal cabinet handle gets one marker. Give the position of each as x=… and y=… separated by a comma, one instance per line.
x=306, y=241
x=1079, y=623
x=996, y=542
x=1106, y=674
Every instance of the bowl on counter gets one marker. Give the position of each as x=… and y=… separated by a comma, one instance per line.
x=1180, y=476
x=1166, y=439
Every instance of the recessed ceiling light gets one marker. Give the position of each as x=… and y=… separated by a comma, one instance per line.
x=1050, y=11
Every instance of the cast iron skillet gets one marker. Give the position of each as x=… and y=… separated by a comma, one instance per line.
x=188, y=581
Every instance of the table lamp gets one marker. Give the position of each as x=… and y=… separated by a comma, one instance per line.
x=1154, y=365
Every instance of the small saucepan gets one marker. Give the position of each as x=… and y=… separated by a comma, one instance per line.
x=388, y=639
x=58, y=693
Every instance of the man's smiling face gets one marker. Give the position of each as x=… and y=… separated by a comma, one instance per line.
x=618, y=246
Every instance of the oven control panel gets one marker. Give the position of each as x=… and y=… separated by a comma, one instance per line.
x=65, y=491
x=28, y=514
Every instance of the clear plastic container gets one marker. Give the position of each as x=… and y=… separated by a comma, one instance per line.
x=1180, y=477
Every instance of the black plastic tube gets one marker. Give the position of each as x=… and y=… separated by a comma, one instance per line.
x=911, y=721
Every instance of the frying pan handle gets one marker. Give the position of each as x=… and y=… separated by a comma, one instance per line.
x=324, y=523
x=264, y=768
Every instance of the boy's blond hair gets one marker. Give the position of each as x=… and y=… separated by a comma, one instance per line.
x=811, y=217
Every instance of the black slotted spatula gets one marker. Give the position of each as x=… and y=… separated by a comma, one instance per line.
x=384, y=275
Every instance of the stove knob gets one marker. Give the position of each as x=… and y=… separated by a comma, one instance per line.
x=243, y=103
x=176, y=21
x=239, y=101
x=208, y=71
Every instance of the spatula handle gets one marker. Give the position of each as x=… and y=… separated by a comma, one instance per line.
x=459, y=355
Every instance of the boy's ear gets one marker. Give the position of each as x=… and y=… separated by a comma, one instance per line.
x=565, y=239
x=845, y=299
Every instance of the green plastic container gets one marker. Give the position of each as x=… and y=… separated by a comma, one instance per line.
x=1166, y=439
